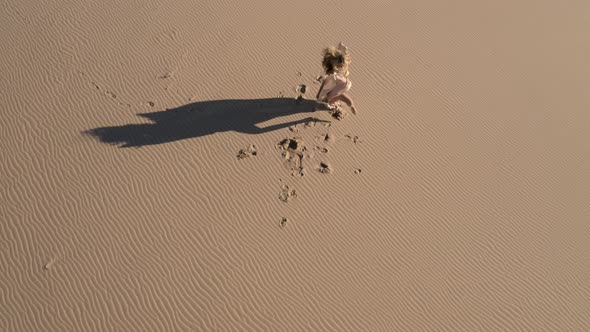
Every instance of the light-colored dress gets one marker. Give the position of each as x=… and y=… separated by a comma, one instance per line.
x=334, y=85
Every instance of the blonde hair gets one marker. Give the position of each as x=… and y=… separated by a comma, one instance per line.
x=334, y=59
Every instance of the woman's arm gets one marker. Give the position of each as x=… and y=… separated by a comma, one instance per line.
x=320, y=90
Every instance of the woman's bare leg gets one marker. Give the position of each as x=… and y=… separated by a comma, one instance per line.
x=346, y=99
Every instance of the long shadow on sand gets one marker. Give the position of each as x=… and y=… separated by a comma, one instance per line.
x=205, y=118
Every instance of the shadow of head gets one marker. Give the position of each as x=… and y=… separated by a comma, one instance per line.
x=205, y=118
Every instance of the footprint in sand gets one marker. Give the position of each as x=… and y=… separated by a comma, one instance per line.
x=293, y=153
x=106, y=93
x=292, y=144
x=326, y=138
x=301, y=88
x=247, y=152
x=337, y=113
x=287, y=193
x=320, y=149
x=309, y=124
x=354, y=139
x=325, y=168
x=283, y=222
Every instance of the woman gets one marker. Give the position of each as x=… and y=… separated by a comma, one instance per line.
x=335, y=83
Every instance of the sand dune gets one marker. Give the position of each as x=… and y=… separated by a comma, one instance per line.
x=158, y=173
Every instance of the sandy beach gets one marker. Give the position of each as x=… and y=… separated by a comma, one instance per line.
x=159, y=174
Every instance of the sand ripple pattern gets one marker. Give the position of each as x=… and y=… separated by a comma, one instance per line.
x=457, y=200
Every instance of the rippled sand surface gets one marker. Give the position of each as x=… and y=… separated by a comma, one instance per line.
x=158, y=175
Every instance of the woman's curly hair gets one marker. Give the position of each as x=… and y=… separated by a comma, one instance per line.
x=334, y=59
